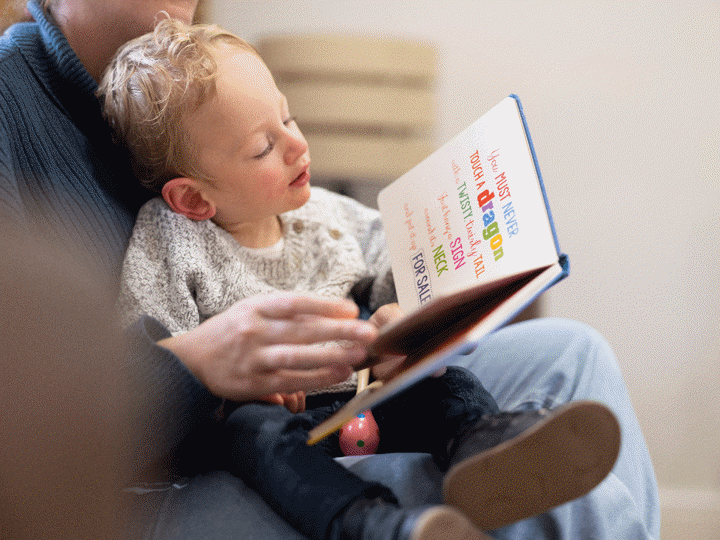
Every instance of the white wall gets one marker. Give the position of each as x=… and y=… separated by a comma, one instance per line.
x=622, y=102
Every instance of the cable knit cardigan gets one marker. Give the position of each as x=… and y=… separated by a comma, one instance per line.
x=182, y=272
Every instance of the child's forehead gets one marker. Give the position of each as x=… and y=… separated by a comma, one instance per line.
x=242, y=69
x=235, y=53
x=244, y=90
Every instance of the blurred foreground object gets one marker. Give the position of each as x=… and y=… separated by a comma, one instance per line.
x=64, y=405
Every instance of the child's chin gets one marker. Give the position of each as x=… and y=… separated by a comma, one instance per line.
x=301, y=197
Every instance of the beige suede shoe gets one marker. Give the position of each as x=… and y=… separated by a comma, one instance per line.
x=441, y=523
x=512, y=466
x=379, y=520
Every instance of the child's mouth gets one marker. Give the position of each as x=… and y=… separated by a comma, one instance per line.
x=302, y=179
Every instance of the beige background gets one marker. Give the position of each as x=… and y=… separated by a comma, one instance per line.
x=622, y=102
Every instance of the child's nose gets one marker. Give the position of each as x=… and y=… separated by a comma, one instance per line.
x=297, y=146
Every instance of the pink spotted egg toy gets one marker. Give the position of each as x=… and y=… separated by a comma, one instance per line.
x=360, y=436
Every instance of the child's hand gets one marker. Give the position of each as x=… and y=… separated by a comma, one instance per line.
x=387, y=368
x=384, y=315
x=295, y=402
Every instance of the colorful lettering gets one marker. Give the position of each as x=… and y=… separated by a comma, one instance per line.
x=440, y=260
x=422, y=280
x=458, y=254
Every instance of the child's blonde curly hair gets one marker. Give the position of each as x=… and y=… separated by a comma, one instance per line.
x=152, y=84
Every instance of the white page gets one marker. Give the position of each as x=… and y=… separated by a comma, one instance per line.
x=434, y=220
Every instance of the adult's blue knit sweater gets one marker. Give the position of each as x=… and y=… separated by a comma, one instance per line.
x=62, y=177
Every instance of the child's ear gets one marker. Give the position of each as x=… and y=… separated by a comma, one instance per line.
x=185, y=196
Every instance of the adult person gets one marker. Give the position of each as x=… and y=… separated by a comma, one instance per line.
x=61, y=176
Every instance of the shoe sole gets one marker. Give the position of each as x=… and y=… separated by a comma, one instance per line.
x=445, y=523
x=555, y=461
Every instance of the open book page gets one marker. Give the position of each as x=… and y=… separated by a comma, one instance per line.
x=471, y=212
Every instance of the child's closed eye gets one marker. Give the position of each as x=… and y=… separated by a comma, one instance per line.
x=271, y=143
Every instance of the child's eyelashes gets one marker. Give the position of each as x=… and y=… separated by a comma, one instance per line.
x=267, y=150
x=271, y=144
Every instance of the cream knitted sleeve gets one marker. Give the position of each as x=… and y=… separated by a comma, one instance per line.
x=157, y=276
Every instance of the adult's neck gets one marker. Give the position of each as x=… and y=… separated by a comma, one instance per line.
x=95, y=29
x=93, y=39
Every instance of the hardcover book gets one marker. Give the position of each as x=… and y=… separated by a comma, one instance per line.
x=472, y=243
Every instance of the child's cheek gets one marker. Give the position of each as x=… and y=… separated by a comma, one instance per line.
x=273, y=183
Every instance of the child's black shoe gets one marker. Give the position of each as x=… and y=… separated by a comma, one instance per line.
x=511, y=466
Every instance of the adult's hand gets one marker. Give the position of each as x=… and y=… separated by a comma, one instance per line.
x=268, y=345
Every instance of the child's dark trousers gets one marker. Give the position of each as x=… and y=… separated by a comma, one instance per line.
x=306, y=486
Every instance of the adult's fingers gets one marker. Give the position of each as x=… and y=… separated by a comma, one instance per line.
x=307, y=357
x=286, y=382
x=309, y=329
x=386, y=314
x=286, y=306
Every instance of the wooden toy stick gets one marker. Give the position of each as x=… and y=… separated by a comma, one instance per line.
x=363, y=378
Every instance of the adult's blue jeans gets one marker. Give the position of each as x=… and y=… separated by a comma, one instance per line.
x=544, y=362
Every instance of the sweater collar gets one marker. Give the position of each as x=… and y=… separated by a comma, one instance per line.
x=51, y=55
x=72, y=89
